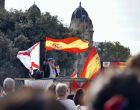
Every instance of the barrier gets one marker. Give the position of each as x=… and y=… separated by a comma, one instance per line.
x=19, y=82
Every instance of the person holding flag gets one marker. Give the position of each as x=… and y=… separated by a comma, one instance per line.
x=51, y=70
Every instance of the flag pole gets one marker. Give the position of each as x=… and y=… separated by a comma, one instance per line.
x=42, y=53
x=30, y=76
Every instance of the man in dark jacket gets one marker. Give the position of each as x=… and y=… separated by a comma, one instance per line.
x=50, y=69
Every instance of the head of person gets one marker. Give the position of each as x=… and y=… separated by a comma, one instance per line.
x=51, y=60
x=116, y=90
x=79, y=97
x=51, y=91
x=9, y=85
x=62, y=90
x=30, y=99
x=134, y=62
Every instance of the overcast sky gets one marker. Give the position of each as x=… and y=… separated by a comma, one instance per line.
x=113, y=20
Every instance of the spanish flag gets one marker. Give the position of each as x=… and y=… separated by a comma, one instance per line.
x=92, y=65
x=71, y=44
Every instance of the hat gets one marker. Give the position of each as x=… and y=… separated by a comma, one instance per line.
x=51, y=59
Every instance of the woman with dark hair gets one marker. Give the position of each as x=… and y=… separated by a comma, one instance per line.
x=116, y=90
x=78, y=98
x=134, y=62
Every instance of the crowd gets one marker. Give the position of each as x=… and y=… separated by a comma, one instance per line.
x=115, y=89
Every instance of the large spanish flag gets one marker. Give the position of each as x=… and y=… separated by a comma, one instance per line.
x=71, y=44
x=92, y=65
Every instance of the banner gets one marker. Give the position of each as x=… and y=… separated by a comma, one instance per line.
x=74, y=74
x=31, y=57
x=114, y=64
x=74, y=85
x=92, y=65
x=71, y=44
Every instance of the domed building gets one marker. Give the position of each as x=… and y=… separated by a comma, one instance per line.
x=34, y=12
x=34, y=9
x=2, y=4
x=80, y=21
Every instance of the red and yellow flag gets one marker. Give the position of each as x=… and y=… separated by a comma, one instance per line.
x=92, y=65
x=114, y=65
x=74, y=85
x=74, y=74
x=71, y=44
x=118, y=64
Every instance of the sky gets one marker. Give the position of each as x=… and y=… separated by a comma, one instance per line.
x=113, y=20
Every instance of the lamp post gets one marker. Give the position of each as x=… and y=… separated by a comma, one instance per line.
x=100, y=50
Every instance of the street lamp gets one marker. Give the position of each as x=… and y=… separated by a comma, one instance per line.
x=100, y=48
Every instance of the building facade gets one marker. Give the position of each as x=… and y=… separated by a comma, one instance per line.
x=2, y=4
x=81, y=22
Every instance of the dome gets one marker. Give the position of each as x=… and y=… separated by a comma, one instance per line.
x=80, y=13
x=34, y=9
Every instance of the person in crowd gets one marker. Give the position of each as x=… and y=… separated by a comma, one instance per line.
x=116, y=90
x=134, y=62
x=30, y=99
x=62, y=91
x=51, y=70
x=79, y=97
x=8, y=86
x=51, y=91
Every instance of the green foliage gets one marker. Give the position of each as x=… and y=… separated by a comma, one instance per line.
x=7, y=57
x=21, y=42
x=64, y=59
x=20, y=30
x=110, y=51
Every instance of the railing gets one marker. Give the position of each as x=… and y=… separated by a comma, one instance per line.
x=21, y=81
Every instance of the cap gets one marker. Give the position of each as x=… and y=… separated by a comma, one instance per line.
x=51, y=59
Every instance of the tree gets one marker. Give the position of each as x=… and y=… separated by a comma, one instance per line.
x=21, y=42
x=19, y=32
x=110, y=51
x=7, y=58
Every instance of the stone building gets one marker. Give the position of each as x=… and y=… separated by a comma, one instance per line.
x=2, y=4
x=80, y=21
x=34, y=12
